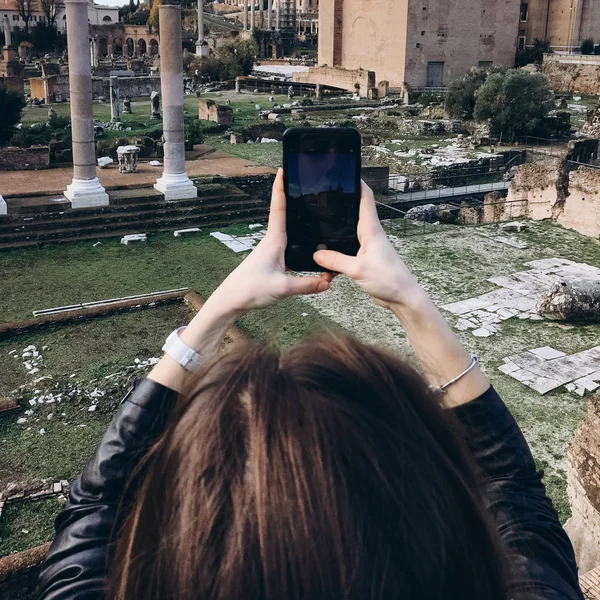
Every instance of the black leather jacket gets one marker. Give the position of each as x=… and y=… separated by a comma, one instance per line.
x=540, y=551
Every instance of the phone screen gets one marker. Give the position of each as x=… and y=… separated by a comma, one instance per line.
x=323, y=200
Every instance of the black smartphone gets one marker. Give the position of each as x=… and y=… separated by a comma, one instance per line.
x=321, y=169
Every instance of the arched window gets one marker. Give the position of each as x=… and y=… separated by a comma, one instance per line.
x=106, y=18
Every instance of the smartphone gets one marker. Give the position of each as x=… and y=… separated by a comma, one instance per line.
x=321, y=169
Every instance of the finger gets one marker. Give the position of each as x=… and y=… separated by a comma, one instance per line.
x=306, y=285
x=369, y=219
x=327, y=277
x=277, y=211
x=336, y=261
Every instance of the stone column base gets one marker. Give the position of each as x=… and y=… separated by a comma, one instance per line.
x=176, y=186
x=86, y=193
x=201, y=50
x=3, y=207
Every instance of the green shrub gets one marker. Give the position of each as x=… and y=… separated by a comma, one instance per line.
x=11, y=106
x=534, y=54
x=587, y=46
x=193, y=130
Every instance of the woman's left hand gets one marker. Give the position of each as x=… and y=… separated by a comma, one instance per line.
x=260, y=280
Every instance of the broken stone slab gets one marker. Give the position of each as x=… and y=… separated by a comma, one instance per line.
x=465, y=324
x=134, y=238
x=588, y=384
x=516, y=226
x=185, y=232
x=571, y=301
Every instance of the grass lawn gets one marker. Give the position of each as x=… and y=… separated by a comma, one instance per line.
x=80, y=356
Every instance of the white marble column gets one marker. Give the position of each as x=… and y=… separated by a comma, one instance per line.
x=278, y=21
x=174, y=183
x=200, y=41
x=7, y=33
x=270, y=15
x=252, y=14
x=85, y=190
x=245, y=15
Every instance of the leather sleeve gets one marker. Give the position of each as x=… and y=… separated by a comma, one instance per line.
x=76, y=563
x=541, y=556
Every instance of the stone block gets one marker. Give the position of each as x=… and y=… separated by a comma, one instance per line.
x=517, y=226
x=186, y=232
x=134, y=238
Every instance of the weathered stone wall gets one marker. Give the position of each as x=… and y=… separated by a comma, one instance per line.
x=583, y=488
x=338, y=77
x=209, y=110
x=57, y=87
x=128, y=86
x=565, y=74
x=24, y=159
x=549, y=191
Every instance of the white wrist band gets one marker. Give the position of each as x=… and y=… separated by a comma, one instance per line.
x=179, y=351
x=442, y=389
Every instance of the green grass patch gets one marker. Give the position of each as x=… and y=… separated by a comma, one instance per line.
x=27, y=524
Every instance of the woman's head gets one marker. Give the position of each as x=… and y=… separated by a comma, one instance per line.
x=327, y=472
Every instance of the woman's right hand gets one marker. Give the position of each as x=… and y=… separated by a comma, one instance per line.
x=378, y=269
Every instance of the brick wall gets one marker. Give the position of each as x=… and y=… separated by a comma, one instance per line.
x=17, y=159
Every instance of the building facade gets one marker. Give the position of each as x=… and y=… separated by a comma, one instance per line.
x=97, y=15
x=563, y=23
x=418, y=43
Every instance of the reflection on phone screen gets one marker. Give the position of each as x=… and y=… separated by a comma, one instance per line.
x=322, y=203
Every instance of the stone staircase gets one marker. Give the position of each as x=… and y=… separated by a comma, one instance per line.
x=132, y=211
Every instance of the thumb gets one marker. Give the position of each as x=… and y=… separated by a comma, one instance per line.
x=305, y=285
x=336, y=261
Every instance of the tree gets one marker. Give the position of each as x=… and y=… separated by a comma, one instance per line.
x=153, y=18
x=50, y=9
x=25, y=9
x=11, y=105
x=534, y=54
x=237, y=57
x=460, y=100
x=587, y=46
x=514, y=102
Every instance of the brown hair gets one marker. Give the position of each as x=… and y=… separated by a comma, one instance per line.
x=324, y=473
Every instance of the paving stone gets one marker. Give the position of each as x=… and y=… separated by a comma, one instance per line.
x=547, y=353
x=545, y=263
x=508, y=368
x=523, y=375
x=482, y=332
x=543, y=385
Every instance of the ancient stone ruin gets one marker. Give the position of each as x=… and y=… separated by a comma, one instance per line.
x=208, y=110
x=583, y=481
